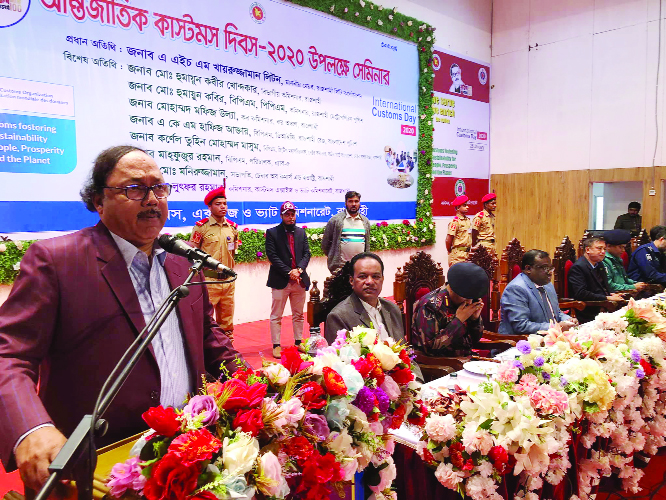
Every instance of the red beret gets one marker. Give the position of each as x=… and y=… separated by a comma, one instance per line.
x=215, y=193
x=488, y=197
x=460, y=200
x=286, y=206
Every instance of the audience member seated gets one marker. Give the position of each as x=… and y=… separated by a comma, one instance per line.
x=447, y=321
x=588, y=280
x=529, y=303
x=648, y=263
x=364, y=307
x=618, y=280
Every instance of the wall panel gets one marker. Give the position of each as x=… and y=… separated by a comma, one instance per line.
x=540, y=208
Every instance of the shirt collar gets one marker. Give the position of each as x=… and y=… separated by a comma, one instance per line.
x=369, y=308
x=349, y=216
x=129, y=251
x=214, y=221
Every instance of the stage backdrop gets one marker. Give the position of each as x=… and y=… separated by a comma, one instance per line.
x=278, y=102
x=461, y=156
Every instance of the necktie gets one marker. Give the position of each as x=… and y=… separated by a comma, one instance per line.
x=546, y=303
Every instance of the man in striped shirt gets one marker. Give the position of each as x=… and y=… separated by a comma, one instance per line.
x=347, y=233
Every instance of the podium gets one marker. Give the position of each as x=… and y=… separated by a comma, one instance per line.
x=107, y=457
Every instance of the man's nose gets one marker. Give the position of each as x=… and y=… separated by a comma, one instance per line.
x=150, y=199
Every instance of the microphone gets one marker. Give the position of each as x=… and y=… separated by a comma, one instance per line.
x=178, y=247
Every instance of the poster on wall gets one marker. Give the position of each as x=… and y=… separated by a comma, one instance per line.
x=276, y=101
x=461, y=120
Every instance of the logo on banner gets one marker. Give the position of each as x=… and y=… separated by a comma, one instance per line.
x=436, y=62
x=12, y=12
x=482, y=136
x=408, y=130
x=483, y=76
x=257, y=13
x=459, y=187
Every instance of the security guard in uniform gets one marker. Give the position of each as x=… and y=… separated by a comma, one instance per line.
x=483, y=223
x=458, y=238
x=218, y=236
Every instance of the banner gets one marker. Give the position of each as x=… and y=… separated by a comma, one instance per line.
x=461, y=121
x=277, y=101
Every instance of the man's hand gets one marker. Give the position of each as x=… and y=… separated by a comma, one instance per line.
x=615, y=297
x=640, y=286
x=468, y=309
x=35, y=453
x=294, y=274
x=566, y=325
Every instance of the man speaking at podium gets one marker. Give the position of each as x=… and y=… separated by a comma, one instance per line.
x=77, y=304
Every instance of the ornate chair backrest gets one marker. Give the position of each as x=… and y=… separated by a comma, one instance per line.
x=642, y=238
x=336, y=289
x=581, y=250
x=509, y=264
x=420, y=276
x=488, y=261
x=563, y=259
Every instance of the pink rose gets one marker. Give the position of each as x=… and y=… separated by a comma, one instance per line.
x=549, y=401
x=528, y=383
x=386, y=476
x=507, y=373
x=477, y=440
x=391, y=388
x=448, y=477
x=272, y=470
x=126, y=475
x=440, y=428
x=293, y=411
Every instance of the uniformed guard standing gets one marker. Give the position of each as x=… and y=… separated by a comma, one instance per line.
x=218, y=236
x=483, y=223
x=458, y=238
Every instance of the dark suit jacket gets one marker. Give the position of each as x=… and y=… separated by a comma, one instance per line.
x=279, y=255
x=586, y=283
x=350, y=313
x=69, y=318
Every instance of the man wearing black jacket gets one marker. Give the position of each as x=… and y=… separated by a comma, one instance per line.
x=288, y=251
x=588, y=280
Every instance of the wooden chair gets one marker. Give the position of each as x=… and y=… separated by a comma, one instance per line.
x=336, y=289
x=581, y=250
x=563, y=259
x=420, y=276
x=642, y=238
x=487, y=260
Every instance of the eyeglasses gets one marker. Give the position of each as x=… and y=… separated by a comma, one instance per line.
x=545, y=268
x=138, y=192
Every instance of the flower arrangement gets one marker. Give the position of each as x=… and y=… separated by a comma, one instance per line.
x=600, y=388
x=301, y=427
x=11, y=253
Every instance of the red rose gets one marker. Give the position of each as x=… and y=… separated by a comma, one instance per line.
x=214, y=389
x=384, y=223
x=249, y=421
x=398, y=417
x=500, y=458
x=333, y=382
x=647, y=367
x=322, y=469
x=243, y=374
x=242, y=395
x=363, y=366
x=455, y=452
x=195, y=446
x=299, y=448
x=162, y=420
x=405, y=222
x=404, y=357
x=427, y=456
x=377, y=371
x=171, y=479
x=402, y=376
x=291, y=359
x=204, y=495
x=312, y=396
x=418, y=415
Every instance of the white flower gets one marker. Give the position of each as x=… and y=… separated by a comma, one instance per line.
x=356, y=14
x=362, y=3
x=425, y=70
x=399, y=239
x=366, y=336
x=425, y=191
x=369, y=18
x=340, y=443
x=17, y=266
x=395, y=9
x=390, y=17
x=386, y=356
x=379, y=22
x=428, y=39
x=409, y=23
x=19, y=245
x=277, y=374
x=332, y=8
x=3, y=248
x=440, y=428
x=380, y=8
x=239, y=454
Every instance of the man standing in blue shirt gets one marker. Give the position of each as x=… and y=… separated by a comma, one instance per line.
x=648, y=263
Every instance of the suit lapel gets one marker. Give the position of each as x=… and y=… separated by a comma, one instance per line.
x=537, y=294
x=114, y=270
x=360, y=310
x=594, y=271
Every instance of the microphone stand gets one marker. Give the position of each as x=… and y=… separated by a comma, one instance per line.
x=78, y=457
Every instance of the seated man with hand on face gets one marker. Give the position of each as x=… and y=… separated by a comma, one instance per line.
x=364, y=307
x=618, y=280
x=447, y=321
x=588, y=280
x=529, y=303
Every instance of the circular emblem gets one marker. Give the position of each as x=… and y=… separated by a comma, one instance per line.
x=13, y=12
x=459, y=187
x=436, y=62
x=483, y=76
x=257, y=12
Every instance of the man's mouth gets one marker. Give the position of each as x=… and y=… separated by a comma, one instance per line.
x=150, y=214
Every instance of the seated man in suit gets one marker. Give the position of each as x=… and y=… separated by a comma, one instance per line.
x=648, y=263
x=529, y=303
x=618, y=280
x=588, y=280
x=364, y=307
x=447, y=321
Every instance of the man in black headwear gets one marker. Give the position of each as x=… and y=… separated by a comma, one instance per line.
x=447, y=321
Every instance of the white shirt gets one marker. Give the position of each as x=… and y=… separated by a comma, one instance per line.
x=376, y=318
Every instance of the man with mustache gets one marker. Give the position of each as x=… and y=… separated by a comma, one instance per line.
x=78, y=303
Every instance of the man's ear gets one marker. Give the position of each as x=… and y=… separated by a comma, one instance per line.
x=97, y=201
